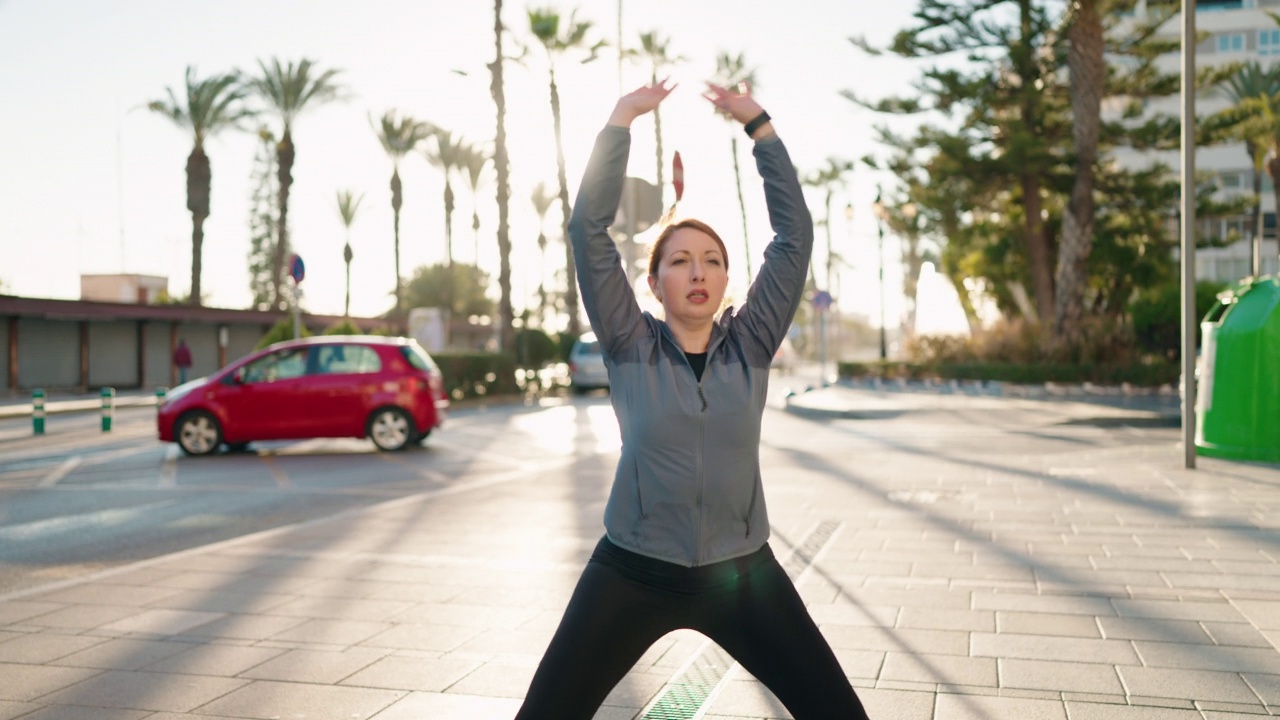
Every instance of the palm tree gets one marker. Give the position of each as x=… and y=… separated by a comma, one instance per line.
x=475, y=160
x=446, y=153
x=542, y=198
x=731, y=72
x=500, y=164
x=289, y=90
x=348, y=206
x=544, y=23
x=398, y=137
x=829, y=179
x=1248, y=87
x=654, y=48
x=211, y=106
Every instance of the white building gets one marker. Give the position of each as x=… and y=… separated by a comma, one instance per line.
x=134, y=289
x=1238, y=31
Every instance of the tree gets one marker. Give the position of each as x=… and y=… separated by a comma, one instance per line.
x=1088, y=70
x=545, y=24
x=289, y=90
x=655, y=49
x=475, y=160
x=542, y=198
x=459, y=288
x=1249, y=91
x=501, y=165
x=829, y=179
x=731, y=71
x=348, y=206
x=262, y=221
x=398, y=137
x=210, y=106
x=446, y=153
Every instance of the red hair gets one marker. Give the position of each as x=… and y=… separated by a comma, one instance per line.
x=660, y=245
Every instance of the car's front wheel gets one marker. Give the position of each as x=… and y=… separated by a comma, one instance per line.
x=390, y=429
x=198, y=433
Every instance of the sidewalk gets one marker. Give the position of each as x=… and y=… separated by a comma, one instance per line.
x=15, y=407
x=1108, y=584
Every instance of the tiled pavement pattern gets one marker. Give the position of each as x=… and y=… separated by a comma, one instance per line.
x=961, y=583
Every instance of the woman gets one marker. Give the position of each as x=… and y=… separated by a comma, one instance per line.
x=686, y=525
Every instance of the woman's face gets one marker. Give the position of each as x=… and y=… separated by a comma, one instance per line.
x=692, y=277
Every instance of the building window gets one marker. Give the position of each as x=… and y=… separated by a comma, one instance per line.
x=1231, y=42
x=1269, y=42
x=1229, y=181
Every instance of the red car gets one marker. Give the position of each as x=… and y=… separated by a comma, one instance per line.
x=384, y=388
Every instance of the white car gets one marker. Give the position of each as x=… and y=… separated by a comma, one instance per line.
x=586, y=365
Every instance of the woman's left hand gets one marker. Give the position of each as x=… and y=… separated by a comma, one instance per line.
x=737, y=103
x=638, y=102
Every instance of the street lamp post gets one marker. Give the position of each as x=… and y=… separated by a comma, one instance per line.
x=881, y=212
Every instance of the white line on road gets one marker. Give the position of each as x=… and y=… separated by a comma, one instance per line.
x=61, y=471
x=169, y=468
x=68, y=523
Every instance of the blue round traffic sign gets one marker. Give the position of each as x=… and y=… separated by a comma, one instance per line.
x=822, y=300
x=296, y=269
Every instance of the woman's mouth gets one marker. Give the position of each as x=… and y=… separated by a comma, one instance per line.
x=698, y=296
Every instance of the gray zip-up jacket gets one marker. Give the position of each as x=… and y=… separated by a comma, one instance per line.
x=687, y=489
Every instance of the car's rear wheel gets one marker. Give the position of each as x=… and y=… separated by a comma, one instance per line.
x=198, y=433
x=390, y=429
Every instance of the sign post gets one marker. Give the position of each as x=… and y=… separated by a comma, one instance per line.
x=297, y=271
x=822, y=303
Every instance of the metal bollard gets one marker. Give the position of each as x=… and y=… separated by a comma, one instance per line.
x=108, y=407
x=161, y=393
x=37, y=411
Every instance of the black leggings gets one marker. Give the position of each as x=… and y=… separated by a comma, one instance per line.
x=748, y=606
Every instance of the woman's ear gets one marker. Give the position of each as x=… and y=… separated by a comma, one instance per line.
x=653, y=287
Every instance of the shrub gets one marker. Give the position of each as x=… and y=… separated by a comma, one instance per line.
x=282, y=330
x=535, y=348
x=477, y=374
x=1157, y=316
x=343, y=327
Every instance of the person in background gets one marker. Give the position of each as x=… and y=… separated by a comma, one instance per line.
x=182, y=360
x=686, y=532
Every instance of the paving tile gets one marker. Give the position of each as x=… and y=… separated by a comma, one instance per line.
x=416, y=592
x=448, y=706
x=213, y=659
x=943, y=642
x=244, y=627
x=15, y=611
x=10, y=709
x=36, y=649
x=1267, y=687
x=890, y=598
x=75, y=712
x=859, y=663
x=442, y=638
x=1026, y=623
x=1098, y=711
x=28, y=682
x=1041, y=647
x=1236, y=634
x=314, y=666
x=942, y=669
x=1232, y=710
x=1176, y=610
x=341, y=608
x=494, y=642
x=1080, y=677
x=1208, y=657
x=1263, y=614
x=222, y=602
x=334, y=632
x=1065, y=604
x=635, y=690
x=946, y=619
x=162, y=622
x=1160, y=629
x=848, y=614
x=122, y=654
x=747, y=697
x=145, y=691
x=468, y=615
x=413, y=673
x=81, y=617
x=1226, y=582
x=107, y=594
x=266, y=700
x=985, y=707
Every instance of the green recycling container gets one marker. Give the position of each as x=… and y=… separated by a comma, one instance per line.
x=1238, y=399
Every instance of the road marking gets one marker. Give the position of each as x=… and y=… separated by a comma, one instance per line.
x=68, y=523
x=60, y=472
x=169, y=468
x=281, y=478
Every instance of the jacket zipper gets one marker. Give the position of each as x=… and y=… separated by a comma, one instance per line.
x=702, y=424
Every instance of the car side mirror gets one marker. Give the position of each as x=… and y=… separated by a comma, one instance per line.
x=238, y=376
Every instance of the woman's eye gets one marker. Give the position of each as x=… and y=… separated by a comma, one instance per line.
x=677, y=261
x=714, y=261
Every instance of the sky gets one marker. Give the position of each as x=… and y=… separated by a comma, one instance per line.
x=93, y=182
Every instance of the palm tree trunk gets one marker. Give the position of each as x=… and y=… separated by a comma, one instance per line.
x=1273, y=167
x=571, y=275
x=396, y=200
x=505, y=315
x=1255, y=257
x=742, y=205
x=1038, y=252
x=346, y=303
x=1088, y=75
x=657, y=132
x=199, y=182
x=284, y=175
x=448, y=221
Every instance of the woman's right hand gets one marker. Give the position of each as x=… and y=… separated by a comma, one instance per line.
x=638, y=102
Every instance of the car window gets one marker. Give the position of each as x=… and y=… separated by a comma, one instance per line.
x=417, y=357
x=346, y=360
x=279, y=365
x=589, y=348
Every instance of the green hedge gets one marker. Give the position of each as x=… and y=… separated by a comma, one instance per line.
x=1152, y=374
x=477, y=374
